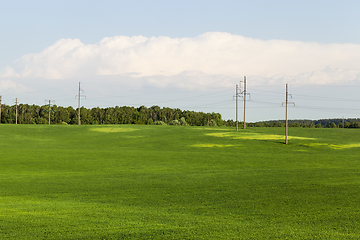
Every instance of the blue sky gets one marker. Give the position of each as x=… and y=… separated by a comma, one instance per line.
x=184, y=54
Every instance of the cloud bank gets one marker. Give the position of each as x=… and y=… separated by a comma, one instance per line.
x=214, y=57
x=8, y=85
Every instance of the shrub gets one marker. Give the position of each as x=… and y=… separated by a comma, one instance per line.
x=212, y=123
x=150, y=121
x=159, y=123
x=331, y=125
x=175, y=122
x=183, y=122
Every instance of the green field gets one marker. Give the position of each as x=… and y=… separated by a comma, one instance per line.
x=171, y=182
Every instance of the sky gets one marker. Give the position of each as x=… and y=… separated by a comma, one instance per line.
x=184, y=54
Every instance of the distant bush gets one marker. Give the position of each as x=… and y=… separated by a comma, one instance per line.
x=330, y=125
x=43, y=121
x=352, y=125
x=175, y=122
x=159, y=123
x=150, y=121
x=212, y=123
x=183, y=122
x=277, y=124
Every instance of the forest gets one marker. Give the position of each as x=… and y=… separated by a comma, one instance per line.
x=33, y=114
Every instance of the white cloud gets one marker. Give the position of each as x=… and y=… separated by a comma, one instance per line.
x=216, y=57
x=328, y=75
x=9, y=72
x=191, y=80
x=8, y=85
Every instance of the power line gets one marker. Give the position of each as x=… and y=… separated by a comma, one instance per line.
x=329, y=98
x=337, y=110
x=268, y=103
x=144, y=85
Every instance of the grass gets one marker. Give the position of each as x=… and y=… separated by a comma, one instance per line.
x=170, y=182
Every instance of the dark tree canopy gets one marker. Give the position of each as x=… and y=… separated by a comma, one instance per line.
x=33, y=114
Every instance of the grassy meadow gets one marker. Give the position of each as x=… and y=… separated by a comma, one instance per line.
x=172, y=182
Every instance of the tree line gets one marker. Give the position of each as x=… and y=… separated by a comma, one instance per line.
x=34, y=114
x=305, y=123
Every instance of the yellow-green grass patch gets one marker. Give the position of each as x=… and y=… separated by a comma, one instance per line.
x=113, y=129
x=213, y=129
x=335, y=146
x=344, y=146
x=255, y=136
x=211, y=145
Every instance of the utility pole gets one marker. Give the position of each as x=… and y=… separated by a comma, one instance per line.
x=53, y=101
x=79, y=105
x=244, y=102
x=237, y=108
x=244, y=93
x=0, y=109
x=343, y=117
x=79, y=96
x=16, y=110
x=286, y=113
x=237, y=93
